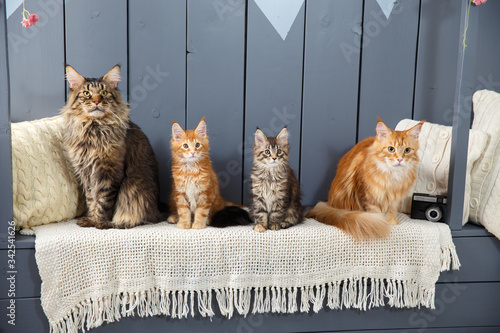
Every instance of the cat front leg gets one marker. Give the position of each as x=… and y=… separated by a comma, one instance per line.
x=275, y=220
x=100, y=203
x=293, y=216
x=201, y=218
x=261, y=221
x=183, y=212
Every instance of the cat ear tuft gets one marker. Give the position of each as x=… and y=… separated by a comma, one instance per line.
x=177, y=131
x=113, y=76
x=74, y=79
x=260, y=139
x=382, y=130
x=283, y=137
x=201, y=129
x=414, y=132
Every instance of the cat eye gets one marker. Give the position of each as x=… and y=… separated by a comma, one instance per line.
x=197, y=145
x=186, y=146
x=407, y=150
x=86, y=93
x=391, y=149
x=267, y=152
x=278, y=151
x=104, y=93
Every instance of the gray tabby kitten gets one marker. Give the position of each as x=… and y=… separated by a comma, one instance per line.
x=275, y=200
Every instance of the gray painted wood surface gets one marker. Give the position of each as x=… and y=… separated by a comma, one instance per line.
x=157, y=75
x=273, y=84
x=36, y=60
x=437, y=61
x=487, y=75
x=462, y=115
x=330, y=100
x=5, y=149
x=215, y=84
x=96, y=38
x=388, y=65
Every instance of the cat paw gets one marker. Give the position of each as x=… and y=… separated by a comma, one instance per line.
x=85, y=222
x=183, y=225
x=259, y=228
x=199, y=226
x=285, y=225
x=275, y=226
x=172, y=219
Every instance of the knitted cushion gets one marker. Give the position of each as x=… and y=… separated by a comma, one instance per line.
x=44, y=187
x=434, y=153
x=485, y=185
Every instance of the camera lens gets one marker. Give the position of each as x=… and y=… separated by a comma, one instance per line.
x=433, y=213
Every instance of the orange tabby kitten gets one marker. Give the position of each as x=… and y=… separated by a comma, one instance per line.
x=371, y=180
x=195, y=185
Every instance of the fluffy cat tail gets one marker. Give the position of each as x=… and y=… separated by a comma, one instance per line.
x=230, y=216
x=361, y=225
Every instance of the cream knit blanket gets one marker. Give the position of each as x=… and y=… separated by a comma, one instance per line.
x=94, y=276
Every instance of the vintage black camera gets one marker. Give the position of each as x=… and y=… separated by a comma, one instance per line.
x=428, y=207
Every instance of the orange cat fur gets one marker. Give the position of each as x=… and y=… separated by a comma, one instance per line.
x=195, y=184
x=371, y=180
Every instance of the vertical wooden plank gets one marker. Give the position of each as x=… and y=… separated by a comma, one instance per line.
x=388, y=65
x=36, y=60
x=5, y=142
x=330, y=101
x=437, y=59
x=157, y=68
x=96, y=38
x=273, y=83
x=487, y=67
x=462, y=115
x=215, y=79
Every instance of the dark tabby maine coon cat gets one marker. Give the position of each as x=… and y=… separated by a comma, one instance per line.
x=275, y=199
x=110, y=155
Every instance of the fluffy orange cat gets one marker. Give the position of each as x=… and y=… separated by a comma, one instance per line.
x=195, y=185
x=371, y=180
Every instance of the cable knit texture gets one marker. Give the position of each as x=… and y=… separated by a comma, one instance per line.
x=485, y=192
x=44, y=187
x=434, y=153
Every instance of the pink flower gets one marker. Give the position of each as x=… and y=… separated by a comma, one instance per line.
x=33, y=18
x=478, y=2
x=30, y=21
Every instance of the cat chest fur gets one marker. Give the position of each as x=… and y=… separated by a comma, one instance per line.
x=193, y=189
x=269, y=185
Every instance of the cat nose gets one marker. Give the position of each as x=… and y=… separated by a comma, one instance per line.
x=193, y=152
x=400, y=160
x=97, y=102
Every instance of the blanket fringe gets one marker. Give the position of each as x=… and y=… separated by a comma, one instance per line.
x=449, y=257
x=359, y=293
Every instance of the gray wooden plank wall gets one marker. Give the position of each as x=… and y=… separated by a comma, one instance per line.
x=215, y=84
x=341, y=65
x=5, y=149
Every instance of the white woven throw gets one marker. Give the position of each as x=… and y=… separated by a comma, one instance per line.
x=92, y=276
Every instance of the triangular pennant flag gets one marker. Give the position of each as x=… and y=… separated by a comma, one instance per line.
x=386, y=6
x=281, y=13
